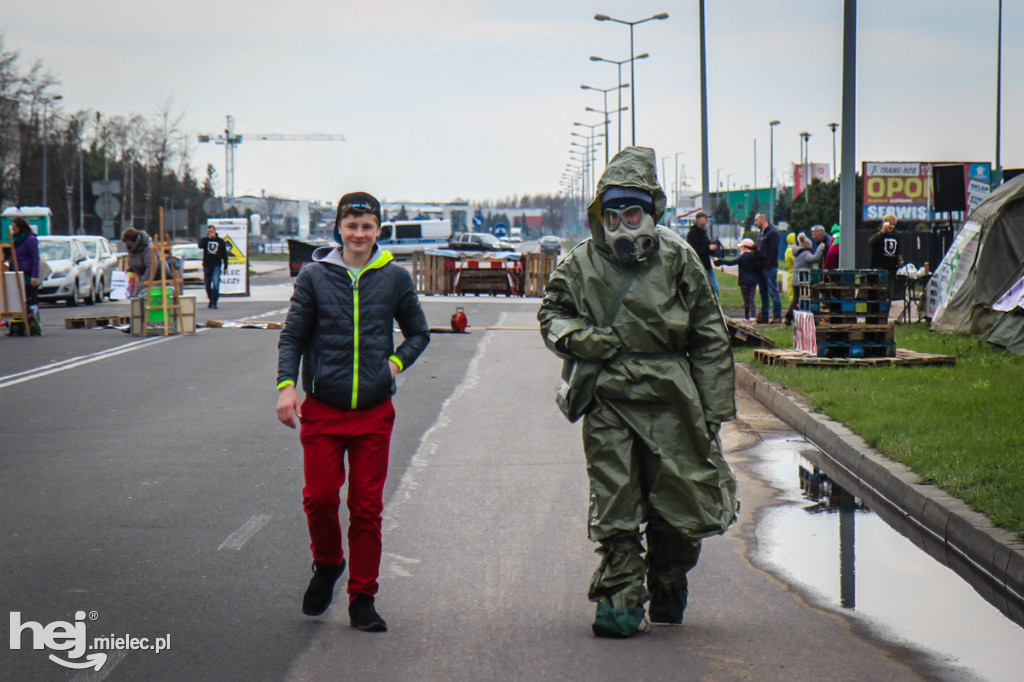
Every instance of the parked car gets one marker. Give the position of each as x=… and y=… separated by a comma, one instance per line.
x=71, y=276
x=550, y=244
x=103, y=262
x=478, y=241
x=191, y=258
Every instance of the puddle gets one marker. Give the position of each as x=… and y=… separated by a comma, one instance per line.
x=844, y=556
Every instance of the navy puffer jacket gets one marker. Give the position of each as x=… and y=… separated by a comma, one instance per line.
x=340, y=325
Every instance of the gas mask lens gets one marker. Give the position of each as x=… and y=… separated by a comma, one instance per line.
x=631, y=217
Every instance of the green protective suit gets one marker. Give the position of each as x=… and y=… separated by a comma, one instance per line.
x=667, y=383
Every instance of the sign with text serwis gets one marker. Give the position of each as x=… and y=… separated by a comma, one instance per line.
x=904, y=188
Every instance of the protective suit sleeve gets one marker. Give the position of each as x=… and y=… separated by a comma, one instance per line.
x=708, y=348
x=566, y=331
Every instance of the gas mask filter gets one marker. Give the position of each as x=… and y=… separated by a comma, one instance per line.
x=628, y=223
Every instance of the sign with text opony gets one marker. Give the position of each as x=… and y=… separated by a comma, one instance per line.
x=904, y=188
x=234, y=281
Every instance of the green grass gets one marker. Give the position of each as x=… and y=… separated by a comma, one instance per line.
x=960, y=428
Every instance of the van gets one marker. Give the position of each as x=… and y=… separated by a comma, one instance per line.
x=405, y=237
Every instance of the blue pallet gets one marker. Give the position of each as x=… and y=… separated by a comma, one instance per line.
x=864, y=277
x=856, y=349
x=845, y=307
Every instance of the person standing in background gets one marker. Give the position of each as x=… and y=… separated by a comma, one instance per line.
x=26, y=249
x=215, y=262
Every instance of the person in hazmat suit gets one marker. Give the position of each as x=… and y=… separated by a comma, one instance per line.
x=666, y=384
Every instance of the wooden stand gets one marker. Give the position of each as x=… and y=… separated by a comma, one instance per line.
x=169, y=300
x=15, y=295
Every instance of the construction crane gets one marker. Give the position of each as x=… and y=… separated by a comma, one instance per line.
x=230, y=139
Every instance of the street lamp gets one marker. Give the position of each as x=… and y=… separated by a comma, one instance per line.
x=805, y=160
x=46, y=133
x=619, y=64
x=605, y=91
x=632, y=71
x=771, y=170
x=835, y=170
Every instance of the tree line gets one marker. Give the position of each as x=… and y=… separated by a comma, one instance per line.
x=42, y=142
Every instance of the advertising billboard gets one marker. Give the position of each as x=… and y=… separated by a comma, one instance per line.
x=904, y=188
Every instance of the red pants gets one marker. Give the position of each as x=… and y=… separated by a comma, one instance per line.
x=326, y=434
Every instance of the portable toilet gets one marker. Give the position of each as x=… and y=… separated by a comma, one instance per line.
x=38, y=217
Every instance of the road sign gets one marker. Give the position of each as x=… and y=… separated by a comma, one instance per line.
x=107, y=206
x=501, y=230
x=478, y=220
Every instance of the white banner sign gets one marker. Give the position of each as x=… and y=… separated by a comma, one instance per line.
x=235, y=231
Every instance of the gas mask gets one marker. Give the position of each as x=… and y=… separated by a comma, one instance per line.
x=629, y=232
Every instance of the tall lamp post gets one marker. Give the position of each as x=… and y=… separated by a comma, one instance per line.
x=46, y=134
x=626, y=85
x=590, y=141
x=835, y=171
x=605, y=92
x=632, y=70
x=771, y=170
x=805, y=159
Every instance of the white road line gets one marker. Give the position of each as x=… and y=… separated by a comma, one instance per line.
x=53, y=368
x=248, y=529
x=113, y=658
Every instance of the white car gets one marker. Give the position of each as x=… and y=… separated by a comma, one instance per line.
x=191, y=258
x=103, y=262
x=71, y=271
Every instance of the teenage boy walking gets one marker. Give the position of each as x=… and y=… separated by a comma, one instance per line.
x=340, y=324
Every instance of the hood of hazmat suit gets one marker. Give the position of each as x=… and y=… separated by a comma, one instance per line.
x=667, y=380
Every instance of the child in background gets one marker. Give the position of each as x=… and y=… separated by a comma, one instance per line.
x=746, y=264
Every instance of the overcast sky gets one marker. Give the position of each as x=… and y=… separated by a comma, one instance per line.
x=476, y=99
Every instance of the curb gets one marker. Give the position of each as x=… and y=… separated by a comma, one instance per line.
x=990, y=559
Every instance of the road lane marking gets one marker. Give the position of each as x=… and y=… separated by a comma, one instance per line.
x=248, y=529
x=53, y=368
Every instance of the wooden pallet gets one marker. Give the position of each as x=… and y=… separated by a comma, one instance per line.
x=743, y=334
x=849, y=333
x=795, y=358
x=90, y=321
x=843, y=292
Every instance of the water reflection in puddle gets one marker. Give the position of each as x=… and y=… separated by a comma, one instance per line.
x=843, y=555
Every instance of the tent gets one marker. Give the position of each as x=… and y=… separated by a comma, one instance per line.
x=984, y=262
x=1008, y=331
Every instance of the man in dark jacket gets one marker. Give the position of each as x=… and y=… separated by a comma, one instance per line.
x=885, y=251
x=698, y=238
x=340, y=325
x=768, y=282
x=215, y=261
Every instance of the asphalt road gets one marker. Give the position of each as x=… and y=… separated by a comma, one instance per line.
x=148, y=485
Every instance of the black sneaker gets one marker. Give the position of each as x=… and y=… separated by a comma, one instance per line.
x=321, y=588
x=363, y=616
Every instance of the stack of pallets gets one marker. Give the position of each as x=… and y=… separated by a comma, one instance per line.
x=851, y=312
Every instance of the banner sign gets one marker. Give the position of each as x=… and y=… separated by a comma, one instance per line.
x=235, y=232
x=953, y=270
x=905, y=188
x=817, y=171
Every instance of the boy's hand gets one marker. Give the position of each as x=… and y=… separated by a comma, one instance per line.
x=394, y=368
x=288, y=406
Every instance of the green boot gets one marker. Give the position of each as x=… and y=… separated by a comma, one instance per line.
x=667, y=607
x=621, y=623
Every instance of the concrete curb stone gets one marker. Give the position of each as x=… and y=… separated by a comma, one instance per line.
x=990, y=559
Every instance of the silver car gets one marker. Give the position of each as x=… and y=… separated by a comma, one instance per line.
x=103, y=262
x=70, y=275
